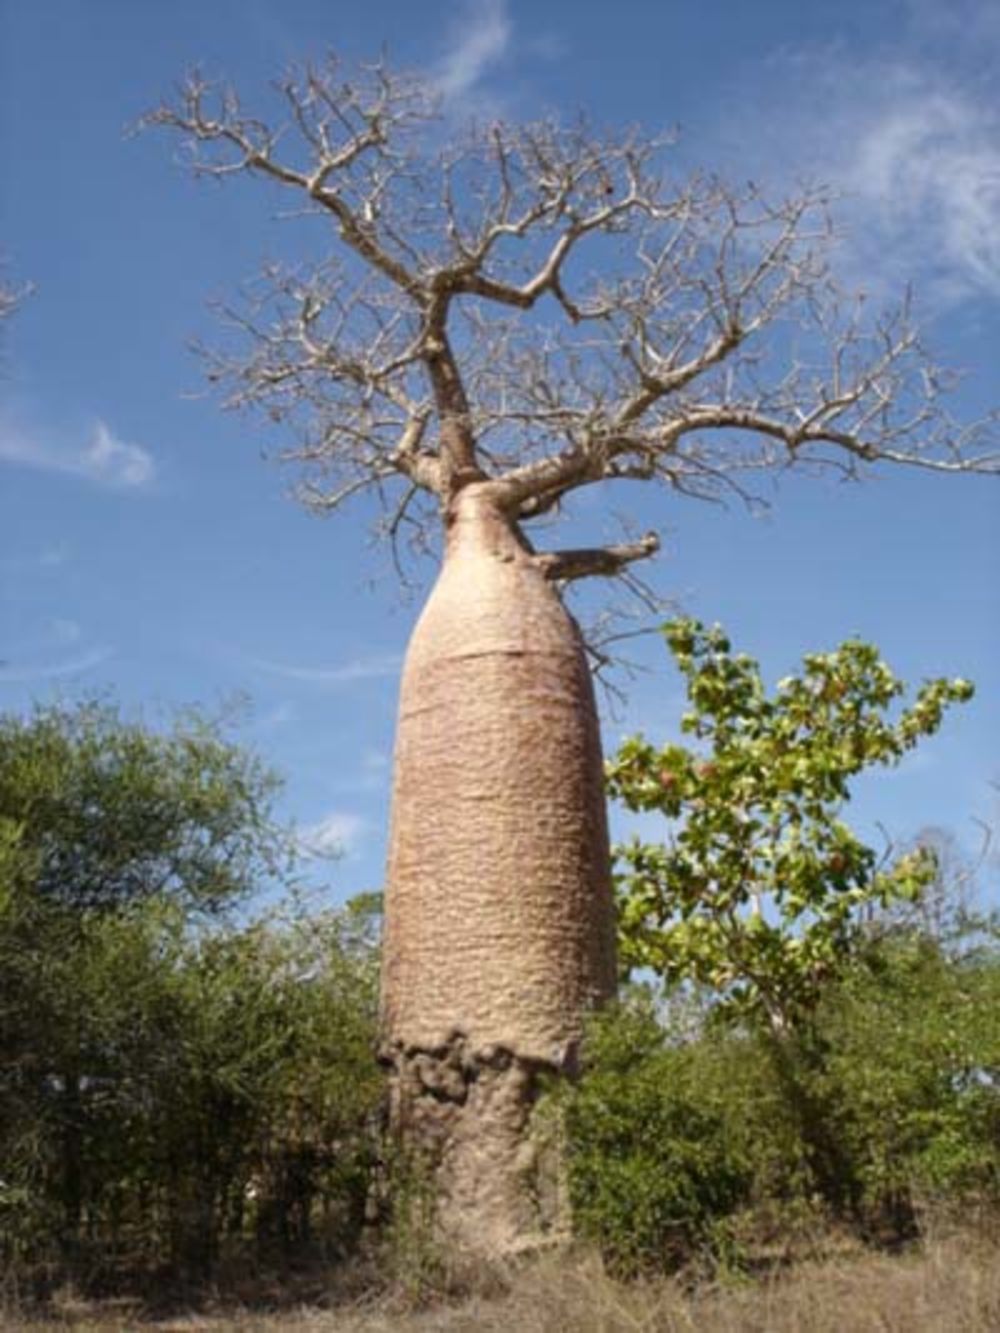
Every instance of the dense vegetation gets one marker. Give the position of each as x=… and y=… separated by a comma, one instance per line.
x=188, y=1087
x=821, y=1040
x=180, y=1085
x=878, y=1114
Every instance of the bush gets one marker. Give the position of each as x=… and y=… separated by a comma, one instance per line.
x=686, y=1132
x=913, y=1073
x=178, y=1087
x=654, y=1168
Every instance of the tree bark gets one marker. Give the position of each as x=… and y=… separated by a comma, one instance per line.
x=499, y=929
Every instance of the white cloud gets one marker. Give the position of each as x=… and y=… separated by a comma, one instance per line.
x=926, y=173
x=969, y=23
x=363, y=668
x=336, y=834
x=280, y=715
x=104, y=459
x=481, y=37
x=49, y=557
x=907, y=137
x=49, y=635
x=112, y=460
x=372, y=774
x=374, y=761
x=12, y=674
x=64, y=630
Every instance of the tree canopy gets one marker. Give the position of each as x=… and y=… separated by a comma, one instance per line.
x=178, y=1082
x=540, y=307
x=759, y=888
x=108, y=812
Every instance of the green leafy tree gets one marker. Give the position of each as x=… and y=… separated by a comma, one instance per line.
x=102, y=817
x=257, y=1091
x=862, y=1080
x=176, y=1083
x=759, y=888
x=111, y=812
x=911, y=1075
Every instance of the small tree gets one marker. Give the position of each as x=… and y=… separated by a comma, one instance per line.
x=111, y=812
x=101, y=818
x=760, y=889
x=501, y=320
x=177, y=1084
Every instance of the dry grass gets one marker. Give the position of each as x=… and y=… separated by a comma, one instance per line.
x=952, y=1285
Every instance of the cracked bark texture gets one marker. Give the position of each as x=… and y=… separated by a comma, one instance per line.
x=499, y=928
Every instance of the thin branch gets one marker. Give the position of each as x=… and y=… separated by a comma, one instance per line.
x=464, y=338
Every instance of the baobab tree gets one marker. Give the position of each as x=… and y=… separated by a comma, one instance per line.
x=501, y=319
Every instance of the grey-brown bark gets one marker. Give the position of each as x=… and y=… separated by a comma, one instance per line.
x=499, y=929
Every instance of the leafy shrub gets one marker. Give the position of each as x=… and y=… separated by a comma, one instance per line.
x=178, y=1087
x=653, y=1166
x=687, y=1134
x=913, y=1072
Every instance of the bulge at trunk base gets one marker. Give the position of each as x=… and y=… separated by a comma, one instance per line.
x=499, y=933
x=470, y=1125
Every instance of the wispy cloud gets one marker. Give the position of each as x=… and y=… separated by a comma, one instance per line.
x=908, y=137
x=969, y=23
x=362, y=668
x=64, y=630
x=926, y=176
x=14, y=674
x=104, y=458
x=374, y=762
x=372, y=774
x=336, y=834
x=49, y=557
x=480, y=39
x=46, y=636
x=279, y=715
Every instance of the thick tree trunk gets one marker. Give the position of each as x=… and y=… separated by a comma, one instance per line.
x=499, y=931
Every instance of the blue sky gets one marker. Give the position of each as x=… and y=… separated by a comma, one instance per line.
x=147, y=546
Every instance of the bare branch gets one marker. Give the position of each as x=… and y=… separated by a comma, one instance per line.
x=464, y=338
x=345, y=127
x=606, y=561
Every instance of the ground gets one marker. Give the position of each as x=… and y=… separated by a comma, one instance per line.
x=950, y=1284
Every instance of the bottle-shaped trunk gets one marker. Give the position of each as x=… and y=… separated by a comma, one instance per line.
x=499, y=930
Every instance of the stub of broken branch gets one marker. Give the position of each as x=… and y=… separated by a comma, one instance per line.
x=586, y=562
